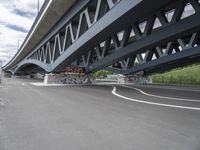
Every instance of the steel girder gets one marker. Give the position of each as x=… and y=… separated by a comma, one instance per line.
x=51, y=51
x=129, y=34
x=139, y=49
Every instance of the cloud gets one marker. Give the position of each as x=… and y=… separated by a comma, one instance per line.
x=17, y=28
x=7, y=17
x=16, y=18
x=24, y=13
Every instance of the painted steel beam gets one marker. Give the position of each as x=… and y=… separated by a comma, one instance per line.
x=174, y=58
x=125, y=15
x=113, y=21
x=171, y=32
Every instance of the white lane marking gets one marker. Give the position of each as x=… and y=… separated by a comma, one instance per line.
x=156, y=86
x=164, y=97
x=152, y=103
x=22, y=83
x=44, y=84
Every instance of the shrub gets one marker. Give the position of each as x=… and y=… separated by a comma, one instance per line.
x=186, y=75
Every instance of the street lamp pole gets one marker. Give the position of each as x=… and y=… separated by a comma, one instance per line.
x=18, y=44
x=38, y=6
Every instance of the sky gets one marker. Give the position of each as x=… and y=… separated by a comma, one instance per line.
x=16, y=19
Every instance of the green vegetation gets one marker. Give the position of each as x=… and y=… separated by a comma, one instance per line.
x=189, y=75
x=102, y=73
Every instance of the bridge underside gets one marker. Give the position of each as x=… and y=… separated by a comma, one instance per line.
x=29, y=69
x=122, y=36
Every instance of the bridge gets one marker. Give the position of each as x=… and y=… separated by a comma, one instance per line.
x=123, y=36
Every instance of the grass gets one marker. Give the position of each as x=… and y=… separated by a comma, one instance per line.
x=189, y=75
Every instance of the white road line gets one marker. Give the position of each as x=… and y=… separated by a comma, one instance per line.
x=51, y=85
x=164, y=97
x=22, y=83
x=151, y=103
x=171, y=87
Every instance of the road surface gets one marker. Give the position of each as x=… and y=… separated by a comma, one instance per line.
x=99, y=117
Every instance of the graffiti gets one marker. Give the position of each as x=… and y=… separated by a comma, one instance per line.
x=53, y=78
x=74, y=69
x=70, y=78
x=75, y=79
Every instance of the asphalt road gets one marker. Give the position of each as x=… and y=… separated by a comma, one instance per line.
x=99, y=117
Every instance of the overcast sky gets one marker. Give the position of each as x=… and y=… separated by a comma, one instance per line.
x=16, y=18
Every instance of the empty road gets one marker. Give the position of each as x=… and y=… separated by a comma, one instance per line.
x=98, y=117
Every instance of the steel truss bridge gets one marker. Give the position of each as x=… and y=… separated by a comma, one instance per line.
x=124, y=36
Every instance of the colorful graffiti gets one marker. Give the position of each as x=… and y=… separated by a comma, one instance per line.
x=74, y=69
